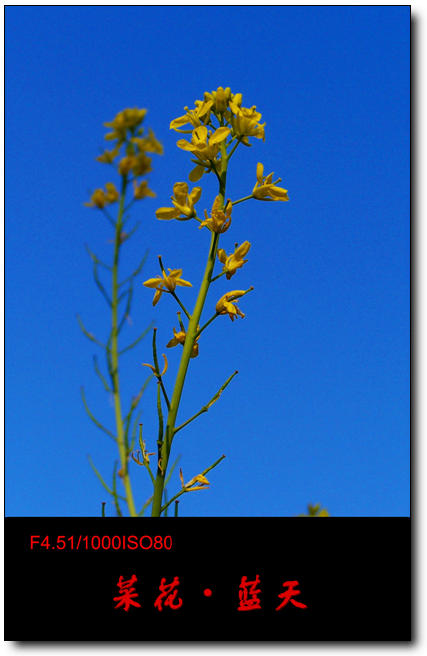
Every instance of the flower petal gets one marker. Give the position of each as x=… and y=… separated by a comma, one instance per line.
x=152, y=282
x=196, y=173
x=167, y=213
x=219, y=135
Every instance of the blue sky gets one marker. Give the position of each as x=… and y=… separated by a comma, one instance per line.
x=320, y=409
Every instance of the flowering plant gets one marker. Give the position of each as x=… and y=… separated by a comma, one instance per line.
x=216, y=126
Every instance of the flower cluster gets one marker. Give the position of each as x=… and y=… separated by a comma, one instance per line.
x=217, y=125
x=235, y=122
x=129, y=155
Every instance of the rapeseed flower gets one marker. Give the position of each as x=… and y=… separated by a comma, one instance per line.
x=265, y=188
x=148, y=144
x=193, y=116
x=108, y=156
x=166, y=283
x=220, y=219
x=235, y=260
x=203, y=145
x=127, y=119
x=142, y=190
x=100, y=198
x=179, y=338
x=226, y=304
x=246, y=123
x=183, y=203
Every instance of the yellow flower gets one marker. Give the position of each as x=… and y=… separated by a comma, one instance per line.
x=235, y=102
x=220, y=99
x=148, y=144
x=112, y=194
x=123, y=121
x=220, y=219
x=226, y=306
x=203, y=145
x=108, y=156
x=126, y=164
x=235, y=260
x=179, y=338
x=141, y=164
x=204, y=483
x=223, y=100
x=166, y=283
x=265, y=188
x=142, y=190
x=100, y=198
x=183, y=203
x=193, y=116
x=246, y=123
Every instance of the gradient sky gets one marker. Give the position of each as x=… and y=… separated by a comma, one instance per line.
x=320, y=409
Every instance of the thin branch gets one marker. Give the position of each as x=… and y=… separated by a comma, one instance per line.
x=165, y=494
x=115, y=495
x=134, y=229
x=101, y=480
x=171, y=470
x=156, y=365
x=208, y=405
x=218, y=276
x=138, y=339
x=108, y=216
x=133, y=407
x=95, y=258
x=100, y=285
x=199, y=332
x=126, y=313
x=95, y=421
x=146, y=504
x=184, y=489
x=235, y=202
x=161, y=423
x=213, y=168
x=234, y=147
x=133, y=432
x=174, y=294
x=88, y=334
x=136, y=271
x=100, y=375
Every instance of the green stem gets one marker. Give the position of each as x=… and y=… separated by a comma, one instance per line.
x=199, y=332
x=192, y=330
x=121, y=441
x=180, y=304
x=235, y=202
x=234, y=147
x=218, y=276
x=208, y=405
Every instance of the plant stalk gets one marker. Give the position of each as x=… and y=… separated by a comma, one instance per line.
x=121, y=442
x=192, y=331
